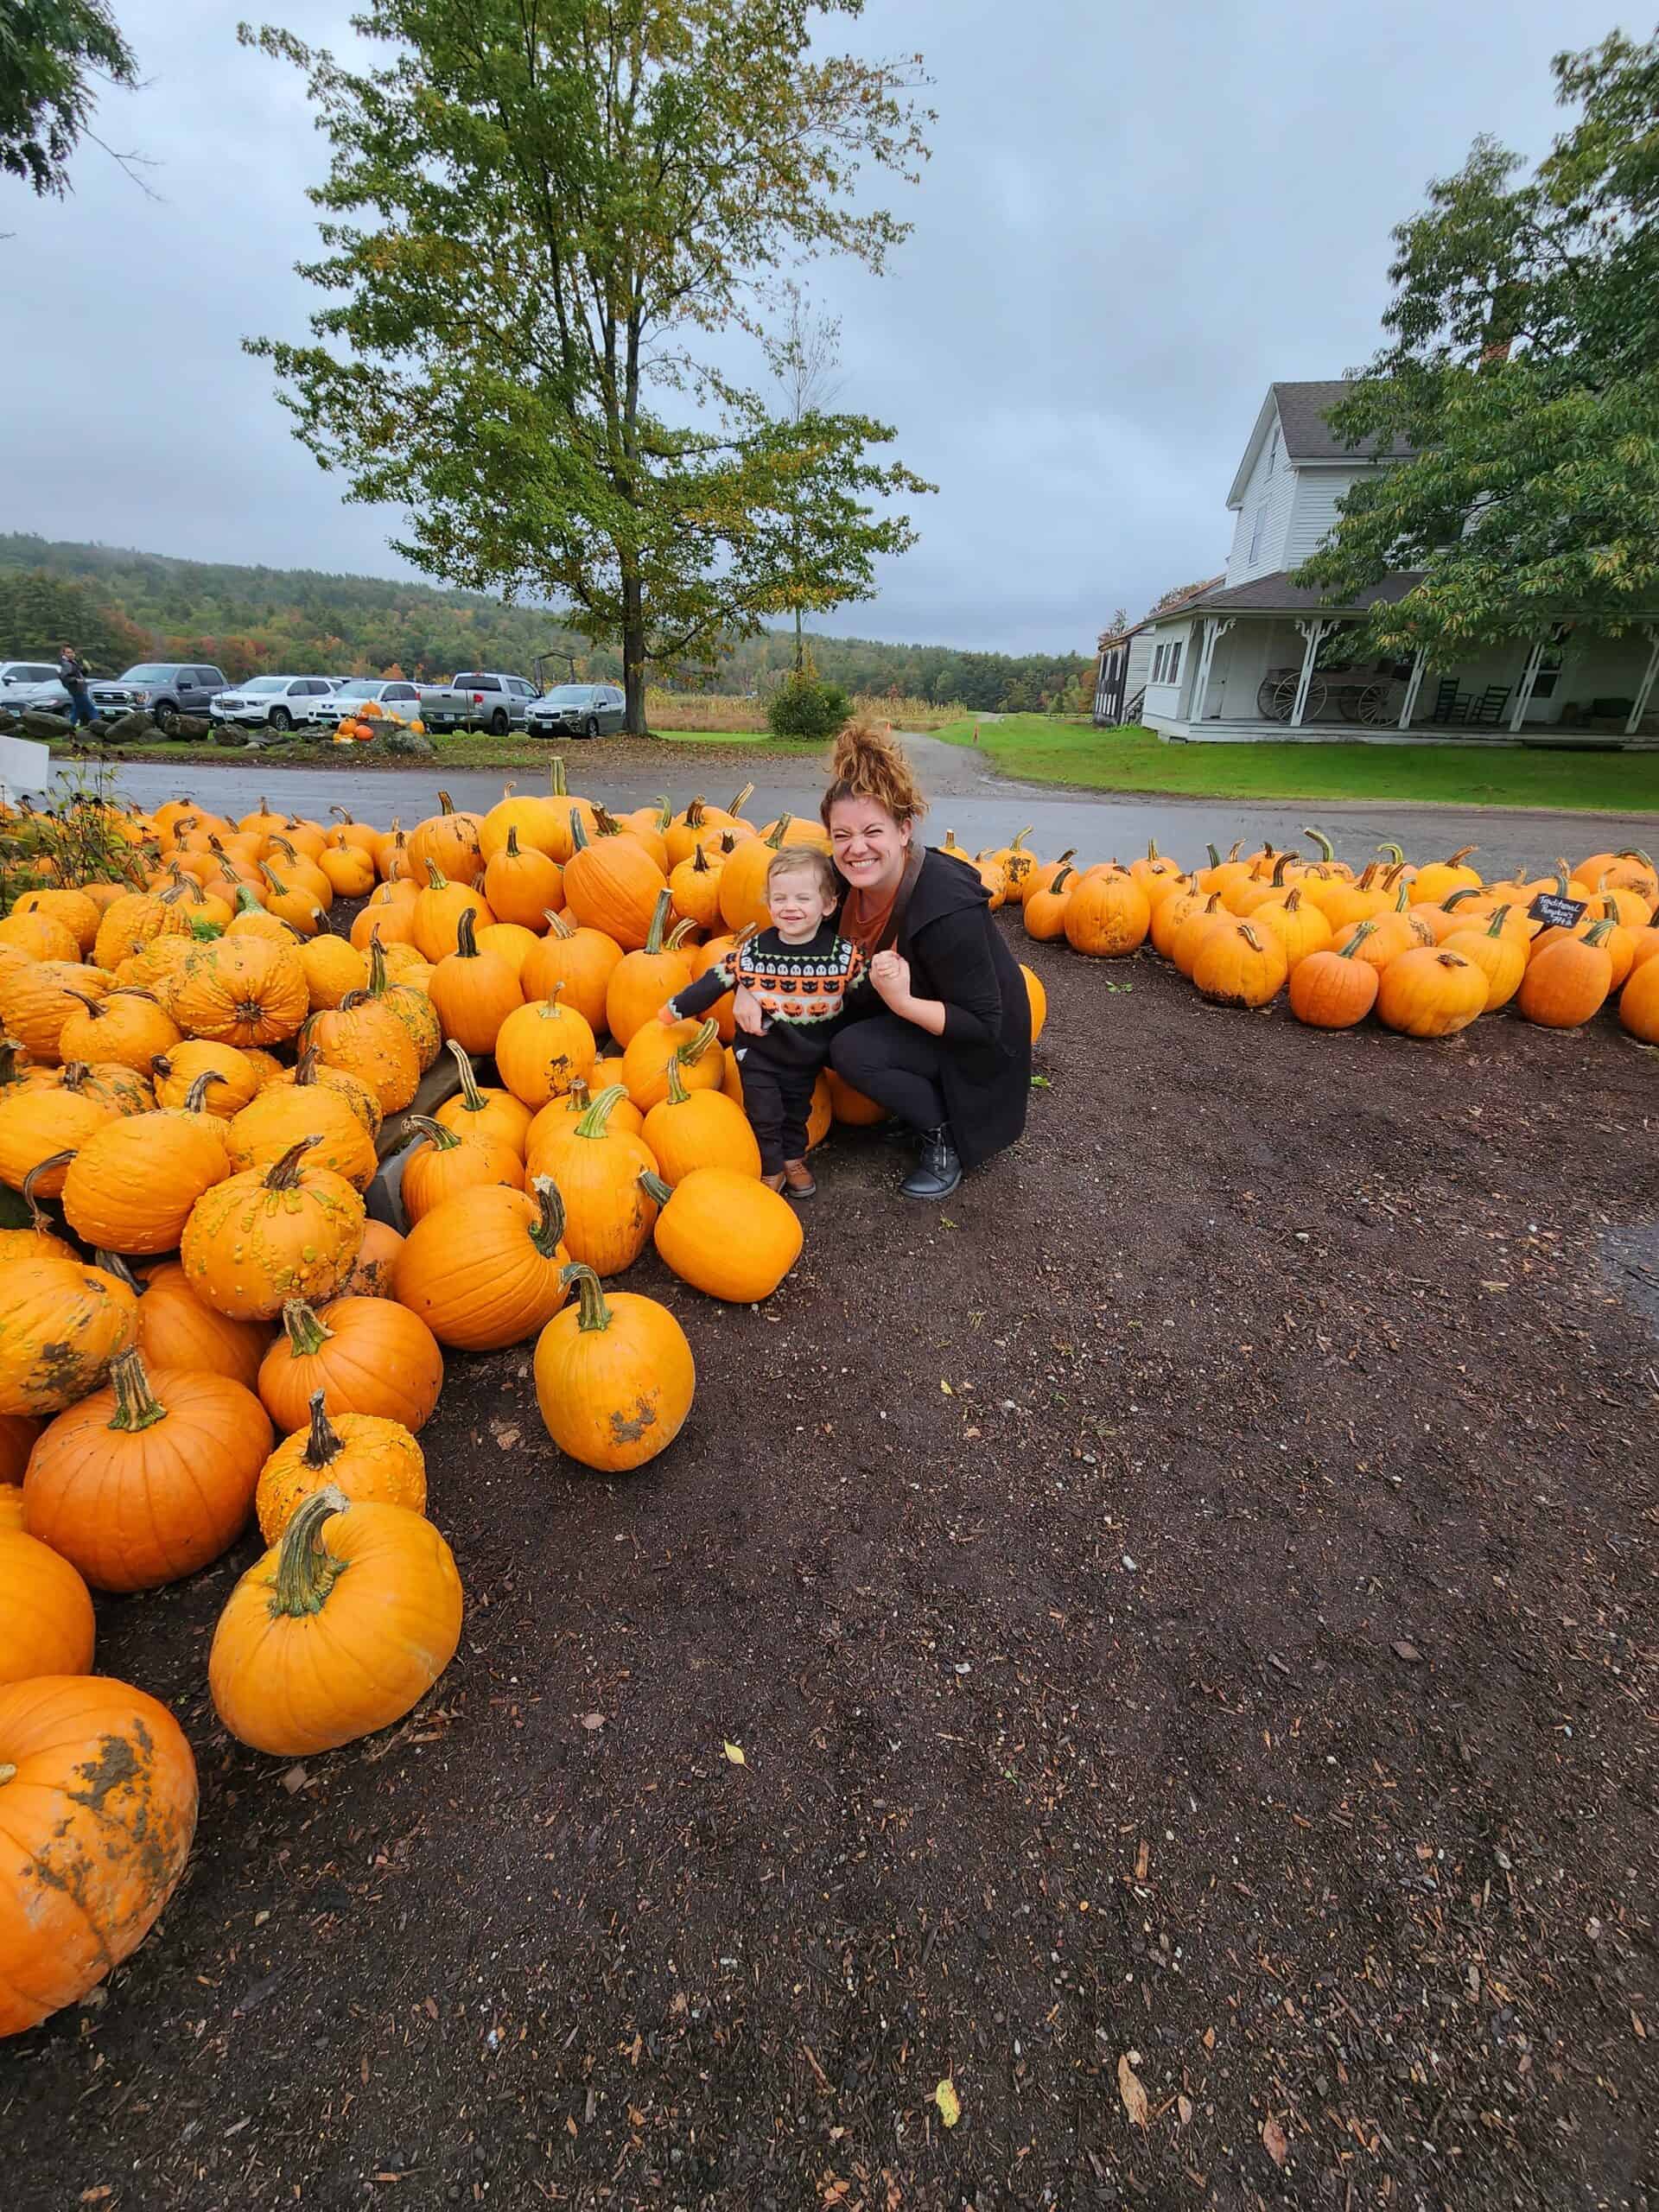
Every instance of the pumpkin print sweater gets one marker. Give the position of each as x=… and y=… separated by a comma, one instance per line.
x=801, y=989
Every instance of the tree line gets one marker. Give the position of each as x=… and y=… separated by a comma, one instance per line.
x=121, y=605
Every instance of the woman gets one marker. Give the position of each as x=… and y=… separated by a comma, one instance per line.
x=940, y=1036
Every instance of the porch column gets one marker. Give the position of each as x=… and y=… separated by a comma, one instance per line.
x=1413, y=685
x=1215, y=628
x=1313, y=631
x=1644, y=689
x=1528, y=678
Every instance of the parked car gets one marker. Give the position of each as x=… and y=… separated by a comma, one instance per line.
x=164, y=689
x=353, y=693
x=476, y=700
x=34, y=684
x=578, y=710
x=277, y=702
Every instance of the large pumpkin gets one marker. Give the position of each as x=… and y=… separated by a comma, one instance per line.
x=443, y=1164
x=472, y=992
x=579, y=959
x=1335, y=989
x=38, y=1126
x=38, y=997
x=743, y=878
x=522, y=884
x=131, y=1186
x=363, y=1455
x=338, y=1630
x=177, y=1330
x=366, y=1355
x=542, y=1048
x=1498, y=951
x=613, y=883
x=1239, y=965
x=364, y=1036
x=46, y=1625
x=1431, y=991
x=185, y=1063
x=1106, y=915
x=410, y=1002
x=123, y=1028
x=690, y=1129
x=322, y=1119
x=435, y=921
x=480, y=1111
x=262, y=1237
x=485, y=1269
x=642, y=982
x=243, y=991
x=727, y=1234
x=449, y=841
x=98, y=1807
x=1568, y=982
x=607, y=1216
x=60, y=1326
x=614, y=1376
x=149, y=1478
x=377, y=1262
x=1638, y=1003
x=645, y=1061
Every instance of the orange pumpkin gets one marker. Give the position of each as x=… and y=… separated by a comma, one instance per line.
x=443, y=1164
x=522, y=884
x=365, y=1355
x=259, y=1238
x=367, y=1458
x=1334, y=989
x=377, y=1262
x=645, y=1064
x=690, y=1129
x=607, y=1217
x=483, y=1269
x=642, y=982
x=60, y=1326
x=177, y=1330
x=1106, y=915
x=474, y=992
x=542, y=1048
x=580, y=960
x=482, y=1111
x=131, y=1186
x=612, y=883
x=46, y=1611
x=448, y=843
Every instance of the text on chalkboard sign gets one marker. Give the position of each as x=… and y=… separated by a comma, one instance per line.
x=1556, y=913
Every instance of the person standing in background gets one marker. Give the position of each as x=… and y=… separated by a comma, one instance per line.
x=72, y=674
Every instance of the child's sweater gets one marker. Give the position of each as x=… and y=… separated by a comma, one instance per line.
x=801, y=988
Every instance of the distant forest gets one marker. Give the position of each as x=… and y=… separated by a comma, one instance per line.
x=121, y=606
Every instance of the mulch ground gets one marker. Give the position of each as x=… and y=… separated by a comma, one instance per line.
x=1186, y=1607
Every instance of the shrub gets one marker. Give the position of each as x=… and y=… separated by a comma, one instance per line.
x=806, y=706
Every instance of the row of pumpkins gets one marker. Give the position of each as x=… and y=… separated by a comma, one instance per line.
x=196, y=1071
x=1429, y=949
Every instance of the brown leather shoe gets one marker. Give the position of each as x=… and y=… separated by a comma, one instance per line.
x=797, y=1180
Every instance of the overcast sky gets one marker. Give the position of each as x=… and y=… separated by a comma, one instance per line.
x=1136, y=218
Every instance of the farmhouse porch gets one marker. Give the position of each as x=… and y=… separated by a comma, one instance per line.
x=1266, y=660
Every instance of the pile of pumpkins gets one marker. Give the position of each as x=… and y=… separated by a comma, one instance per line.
x=199, y=1324
x=1427, y=948
x=367, y=722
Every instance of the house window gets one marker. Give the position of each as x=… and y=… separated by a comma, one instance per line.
x=1273, y=449
x=1166, y=663
x=1549, y=670
x=1174, y=663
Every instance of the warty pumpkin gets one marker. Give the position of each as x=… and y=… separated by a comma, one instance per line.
x=148, y=1478
x=484, y=1110
x=338, y=1630
x=364, y=1456
x=38, y=1126
x=259, y=1238
x=46, y=1625
x=97, y=1808
x=614, y=1376
x=642, y=982
x=365, y=1355
x=579, y=959
x=77, y=913
x=1628, y=870
x=483, y=1269
x=243, y=991
x=131, y=1186
x=38, y=997
x=311, y=1073
x=410, y=1004
x=364, y=1036
x=612, y=883
x=472, y=992
x=332, y=970
x=443, y=1164
x=1431, y=991
x=726, y=1234
x=61, y=1323
x=689, y=1130
x=542, y=1048
x=178, y=1072
x=38, y=937
x=321, y=1120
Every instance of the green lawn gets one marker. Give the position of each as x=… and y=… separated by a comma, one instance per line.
x=454, y=751
x=1045, y=752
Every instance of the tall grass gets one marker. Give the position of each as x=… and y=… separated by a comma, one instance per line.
x=732, y=710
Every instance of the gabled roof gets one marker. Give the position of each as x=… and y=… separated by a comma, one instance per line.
x=1170, y=603
x=1277, y=594
x=1301, y=410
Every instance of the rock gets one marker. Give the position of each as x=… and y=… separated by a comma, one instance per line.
x=191, y=726
x=36, y=724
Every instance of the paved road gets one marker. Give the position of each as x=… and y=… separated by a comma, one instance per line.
x=982, y=807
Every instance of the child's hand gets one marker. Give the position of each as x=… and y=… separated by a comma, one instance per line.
x=890, y=975
x=667, y=1016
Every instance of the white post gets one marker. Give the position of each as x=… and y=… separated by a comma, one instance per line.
x=1215, y=629
x=1644, y=689
x=1528, y=678
x=1313, y=631
x=1413, y=685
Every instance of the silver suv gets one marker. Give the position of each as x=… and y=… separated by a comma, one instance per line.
x=578, y=710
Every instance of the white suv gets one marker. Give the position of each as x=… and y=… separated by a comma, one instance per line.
x=277, y=702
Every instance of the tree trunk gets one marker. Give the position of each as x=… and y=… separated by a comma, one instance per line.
x=800, y=649
x=633, y=654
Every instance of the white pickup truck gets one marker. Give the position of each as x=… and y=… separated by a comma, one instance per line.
x=479, y=700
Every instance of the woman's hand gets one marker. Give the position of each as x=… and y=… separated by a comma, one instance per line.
x=890, y=976
x=746, y=1012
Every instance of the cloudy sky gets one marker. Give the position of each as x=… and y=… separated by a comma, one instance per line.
x=1134, y=218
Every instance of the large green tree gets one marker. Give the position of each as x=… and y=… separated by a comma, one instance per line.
x=1523, y=366
x=537, y=216
x=50, y=54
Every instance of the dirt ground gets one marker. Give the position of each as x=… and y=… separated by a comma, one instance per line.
x=1185, y=1608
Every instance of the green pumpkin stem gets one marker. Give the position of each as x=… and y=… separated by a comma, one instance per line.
x=435, y=879
x=307, y=1331
x=592, y=1312
x=1494, y=927
x=664, y=815
x=440, y=1138
x=1327, y=851
x=1365, y=930
x=779, y=831
x=578, y=831
x=693, y=1048
x=677, y=1093
x=1215, y=857
x=378, y=964
x=556, y=776
x=136, y=1405
x=306, y=1570
x=680, y=930
x=1463, y=891
x=659, y=914
x=284, y=1173
x=472, y=1099
x=1396, y=852
x=593, y=1122
x=547, y=1234
x=655, y=1189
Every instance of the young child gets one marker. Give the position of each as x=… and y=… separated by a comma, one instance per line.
x=800, y=969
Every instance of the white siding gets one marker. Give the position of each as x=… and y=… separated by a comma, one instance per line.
x=1313, y=509
x=1268, y=497
x=1139, y=661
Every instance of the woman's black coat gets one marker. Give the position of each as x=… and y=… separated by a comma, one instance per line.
x=957, y=955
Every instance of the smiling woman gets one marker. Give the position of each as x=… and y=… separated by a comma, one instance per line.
x=941, y=1034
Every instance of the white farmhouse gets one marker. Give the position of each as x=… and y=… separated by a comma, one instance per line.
x=1260, y=656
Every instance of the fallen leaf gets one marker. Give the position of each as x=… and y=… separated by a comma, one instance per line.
x=1408, y=1652
x=1129, y=2088
x=591, y=1720
x=734, y=1753
x=1208, y=2038
x=946, y=1386
x=1273, y=2141
x=1636, y=2022
x=1494, y=1286
x=1142, y=1861
x=1183, y=2106
x=948, y=2102
x=506, y=1438
x=294, y=1779
x=96, y=2196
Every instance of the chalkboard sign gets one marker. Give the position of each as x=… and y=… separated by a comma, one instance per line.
x=1556, y=913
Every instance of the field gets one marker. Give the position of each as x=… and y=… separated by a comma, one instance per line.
x=668, y=712
x=1186, y=1612
x=458, y=750
x=1040, y=750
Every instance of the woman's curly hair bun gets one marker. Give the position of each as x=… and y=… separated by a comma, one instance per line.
x=868, y=762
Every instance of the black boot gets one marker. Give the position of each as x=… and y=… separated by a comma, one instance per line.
x=938, y=1171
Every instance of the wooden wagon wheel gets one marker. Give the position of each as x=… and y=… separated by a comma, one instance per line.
x=1276, y=696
